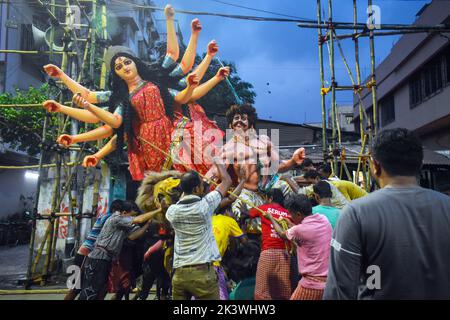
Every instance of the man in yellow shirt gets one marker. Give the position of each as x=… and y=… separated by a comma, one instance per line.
x=348, y=189
x=225, y=227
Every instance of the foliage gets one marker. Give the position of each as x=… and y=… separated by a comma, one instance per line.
x=22, y=127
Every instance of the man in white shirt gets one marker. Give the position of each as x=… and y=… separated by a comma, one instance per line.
x=195, y=248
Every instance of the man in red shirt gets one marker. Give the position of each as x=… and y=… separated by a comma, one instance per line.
x=273, y=275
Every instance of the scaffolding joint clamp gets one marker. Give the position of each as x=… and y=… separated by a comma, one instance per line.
x=330, y=24
x=357, y=88
x=371, y=84
x=323, y=39
x=324, y=91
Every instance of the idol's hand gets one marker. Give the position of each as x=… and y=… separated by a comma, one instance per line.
x=90, y=161
x=213, y=48
x=80, y=101
x=52, y=106
x=53, y=71
x=192, y=80
x=169, y=11
x=223, y=73
x=196, y=26
x=65, y=140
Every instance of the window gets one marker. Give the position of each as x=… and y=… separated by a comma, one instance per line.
x=348, y=119
x=415, y=90
x=433, y=77
x=447, y=64
x=387, y=110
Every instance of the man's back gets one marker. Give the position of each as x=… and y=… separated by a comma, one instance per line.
x=348, y=189
x=191, y=220
x=403, y=231
x=331, y=213
x=224, y=227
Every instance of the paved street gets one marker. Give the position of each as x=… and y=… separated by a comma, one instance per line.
x=13, y=266
x=13, y=269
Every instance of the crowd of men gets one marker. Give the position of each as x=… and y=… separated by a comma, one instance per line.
x=320, y=238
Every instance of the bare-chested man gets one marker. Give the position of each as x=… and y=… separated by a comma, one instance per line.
x=255, y=154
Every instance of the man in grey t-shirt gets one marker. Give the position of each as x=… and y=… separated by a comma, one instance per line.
x=121, y=225
x=393, y=243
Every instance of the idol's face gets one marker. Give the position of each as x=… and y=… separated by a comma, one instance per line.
x=125, y=68
x=240, y=122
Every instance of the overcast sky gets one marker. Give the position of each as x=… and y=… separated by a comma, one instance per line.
x=281, y=58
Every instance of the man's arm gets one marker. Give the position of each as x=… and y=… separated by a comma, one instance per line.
x=145, y=217
x=292, y=184
x=297, y=159
x=281, y=232
x=228, y=200
x=225, y=179
x=139, y=232
x=345, y=258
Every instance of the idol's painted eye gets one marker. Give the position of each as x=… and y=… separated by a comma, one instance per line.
x=118, y=67
x=128, y=62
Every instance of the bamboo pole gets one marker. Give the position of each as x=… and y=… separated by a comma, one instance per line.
x=48, y=256
x=105, y=37
x=39, y=253
x=333, y=82
x=28, y=105
x=358, y=71
x=97, y=181
x=357, y=35
x=372, y=62
x=362, y=26
x=93, y=38
x=322, y=84
x=85, y=57
x=36, y=204
x=35, y=52
x=29, y=292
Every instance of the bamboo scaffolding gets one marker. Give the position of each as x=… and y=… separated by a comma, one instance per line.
x=372, y=63
x=322, y=82
x=36, y=204
x=36, y=52
x=358, y=71
x=51, y=235
x=333, y=81
x=363, y=26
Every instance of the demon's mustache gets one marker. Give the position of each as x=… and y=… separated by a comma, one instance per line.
x=239, y=122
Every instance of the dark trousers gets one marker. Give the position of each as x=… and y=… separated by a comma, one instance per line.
x=95, y=279
x=154, y=270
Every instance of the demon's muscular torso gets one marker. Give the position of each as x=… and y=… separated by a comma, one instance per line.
x=252, y=154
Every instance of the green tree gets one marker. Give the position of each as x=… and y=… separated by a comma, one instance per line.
x=22, y=127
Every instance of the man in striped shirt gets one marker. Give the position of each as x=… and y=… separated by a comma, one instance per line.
x=195, y=248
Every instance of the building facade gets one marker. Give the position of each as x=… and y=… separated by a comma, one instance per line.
x=128, y=25
x=413, y=82
x=413, y=92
